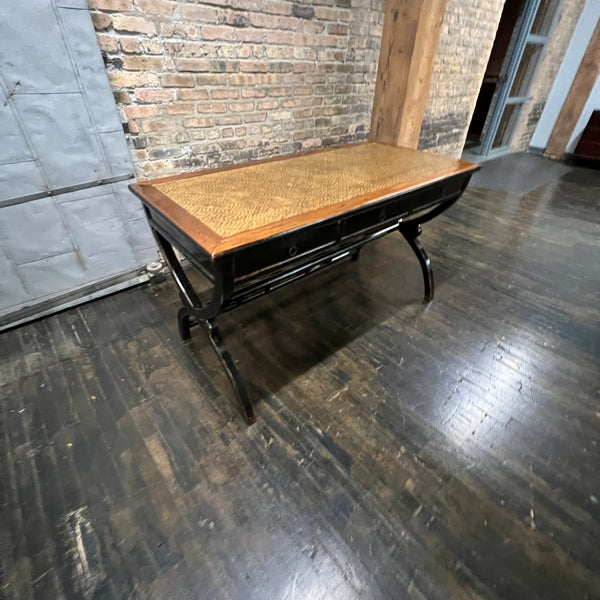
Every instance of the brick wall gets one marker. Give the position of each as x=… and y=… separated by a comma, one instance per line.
x=218, y=81
x=212, y=82
x=465, y=44
x=560, y=36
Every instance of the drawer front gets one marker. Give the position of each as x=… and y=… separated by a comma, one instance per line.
x=286, y=248
x=389, y=211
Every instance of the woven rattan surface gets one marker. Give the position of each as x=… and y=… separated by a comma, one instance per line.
x=237, y=200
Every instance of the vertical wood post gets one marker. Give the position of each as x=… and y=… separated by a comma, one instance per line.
x=411, y=32
x=582, y=85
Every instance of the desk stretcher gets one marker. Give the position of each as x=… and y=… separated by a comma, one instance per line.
x=253, y=228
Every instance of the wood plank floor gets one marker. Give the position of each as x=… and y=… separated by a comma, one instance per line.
x=401, y=450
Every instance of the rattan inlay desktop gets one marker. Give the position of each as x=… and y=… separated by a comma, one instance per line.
x=233, y=201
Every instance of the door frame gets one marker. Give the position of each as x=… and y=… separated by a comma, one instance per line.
x=522, y=36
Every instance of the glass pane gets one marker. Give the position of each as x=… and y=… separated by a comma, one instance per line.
x=544, y=16
x=507, y=124
x=526, y=69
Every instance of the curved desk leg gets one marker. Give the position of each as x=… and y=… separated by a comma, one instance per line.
x=411, y=231
x=191, y=309
x=216, y=340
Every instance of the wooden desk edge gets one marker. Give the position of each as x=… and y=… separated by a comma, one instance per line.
x=188, y=224
x=216, y=245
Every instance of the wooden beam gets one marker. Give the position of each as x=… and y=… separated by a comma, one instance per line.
x=582, y=85
x=411, y=32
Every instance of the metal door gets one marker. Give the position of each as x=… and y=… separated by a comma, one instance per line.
x=530, y=37
x=68, y=225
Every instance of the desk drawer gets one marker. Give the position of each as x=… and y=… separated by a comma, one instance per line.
x=285, y=248
x=388, y=211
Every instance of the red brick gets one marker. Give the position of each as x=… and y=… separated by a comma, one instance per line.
x=150, y=126
x=234, y=18
x=260, y=20
x=278, y=37
x=162, y=126
x=302, y=91
x=133, y=24
x=269, y=105
x=245, y=51
x=302, y=114
x=177, y=80
x=280, y=67
x=338, y=29
x=254, y=67
x=241, y=106
x=254, y=93
x=224, y=66
x=278, y=8
x=255, y=117
x=132, y=80
x=140, y=112
x=229, y=120
x=154, y=95
x=200, y=14
x=290, y=23
x=142, y=63
x=291, y=103
x=180, y=109
x=279, y=92
x=280, y=115
x=214, y=79
x=196, y=65
x=224, y=94
x=111, y=5
x=196, y=122
x=130, y=45
x=304, y=67
x=101, y=21
x=185, y=49
x=195, y=94
x=162, y=8
x=269, y=78
x=249, y=35
x=242, y=79
x=325, y=13
x=177, y=29
x=107, y=43
x=216, y=32
x=311, y=143
x=213, y=107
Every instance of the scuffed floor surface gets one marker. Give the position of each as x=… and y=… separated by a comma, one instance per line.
x=401, y=450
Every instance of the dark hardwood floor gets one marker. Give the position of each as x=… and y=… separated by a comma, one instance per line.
x=401, y=450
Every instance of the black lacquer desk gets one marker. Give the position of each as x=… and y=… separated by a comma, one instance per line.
x=253, y=228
